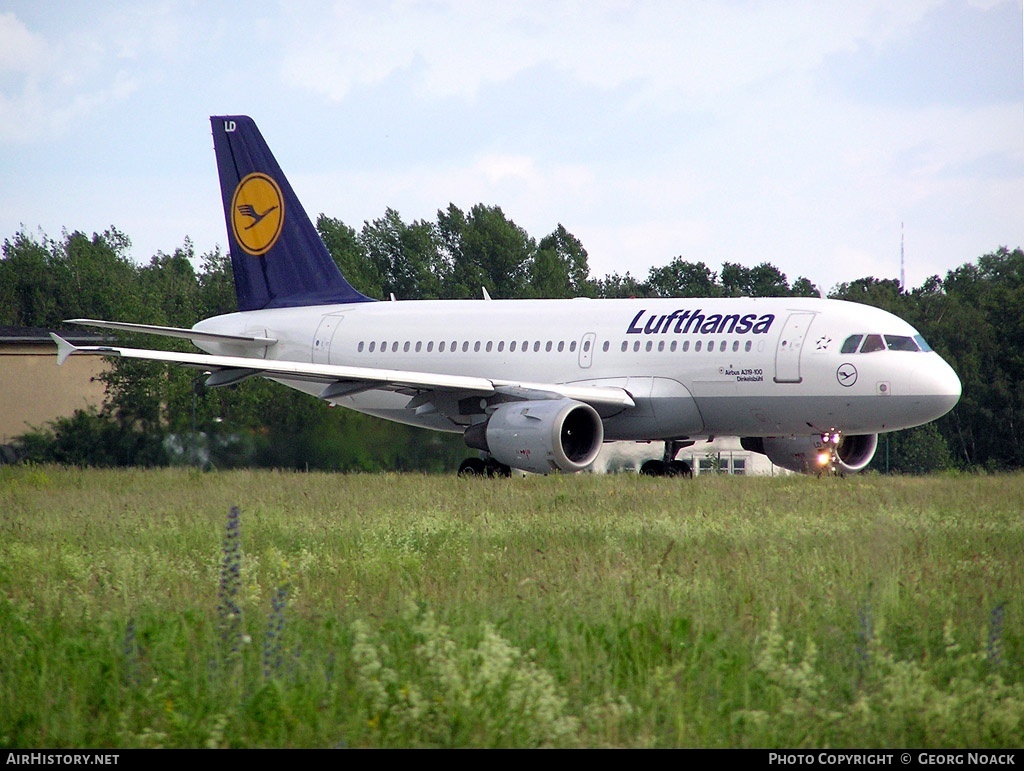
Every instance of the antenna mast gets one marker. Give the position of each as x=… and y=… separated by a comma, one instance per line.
x=903, y=281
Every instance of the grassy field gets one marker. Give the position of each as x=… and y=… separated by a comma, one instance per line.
x=136, y=610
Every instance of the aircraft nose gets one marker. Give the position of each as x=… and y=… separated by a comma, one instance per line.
x=941, y=385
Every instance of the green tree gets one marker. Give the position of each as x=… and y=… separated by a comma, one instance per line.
x=216, y=293
x=683, y=279
x=884, y=293
x=485, y=249
x=920, y=450
x=406, y=258
x=30, y=283
x=349, y=255
x=978, y=326
x=615, y=286
x=560, y=269
x=762, y=280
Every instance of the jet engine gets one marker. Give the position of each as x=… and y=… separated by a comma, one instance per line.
x=816, y=453
x=540, y=436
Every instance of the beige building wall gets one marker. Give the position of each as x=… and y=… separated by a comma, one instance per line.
x=34, y=390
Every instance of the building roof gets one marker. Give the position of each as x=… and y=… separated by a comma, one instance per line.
x=41, y=336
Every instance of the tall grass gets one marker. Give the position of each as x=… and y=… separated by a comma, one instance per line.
x=139, y=608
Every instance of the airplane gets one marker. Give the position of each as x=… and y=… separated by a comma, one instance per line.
x=540, y=385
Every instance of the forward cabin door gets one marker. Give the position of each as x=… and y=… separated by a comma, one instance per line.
x=791, y=344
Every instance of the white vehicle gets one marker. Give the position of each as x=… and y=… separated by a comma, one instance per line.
x=538, y=385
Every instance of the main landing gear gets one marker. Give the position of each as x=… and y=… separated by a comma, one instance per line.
x=478, y=467
x=667, y=465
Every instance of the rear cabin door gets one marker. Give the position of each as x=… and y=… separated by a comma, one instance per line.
x=322, y=338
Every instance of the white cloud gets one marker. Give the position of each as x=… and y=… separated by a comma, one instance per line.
x=694, y=50
x=717, y=131
x=20, y=50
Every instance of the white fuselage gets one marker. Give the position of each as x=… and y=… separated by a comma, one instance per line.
x=694, y=367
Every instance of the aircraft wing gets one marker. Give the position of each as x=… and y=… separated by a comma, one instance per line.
x=339, y=380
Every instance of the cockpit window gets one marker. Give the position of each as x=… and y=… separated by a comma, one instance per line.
x=851, y=343
x=872, y=343
x=900, y=343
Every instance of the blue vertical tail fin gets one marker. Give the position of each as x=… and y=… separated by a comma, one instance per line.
x=277, y=256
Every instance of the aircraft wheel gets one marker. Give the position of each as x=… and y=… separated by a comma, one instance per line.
x=653, y=468
x=472, y=467
x=680, y=468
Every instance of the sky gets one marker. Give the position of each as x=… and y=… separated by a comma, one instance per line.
x=824, y=137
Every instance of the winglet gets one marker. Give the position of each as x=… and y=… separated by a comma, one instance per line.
x=64, y=348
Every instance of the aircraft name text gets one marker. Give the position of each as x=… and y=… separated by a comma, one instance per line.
x=682, y=322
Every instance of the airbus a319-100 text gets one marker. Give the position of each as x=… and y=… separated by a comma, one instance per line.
x=539, y=385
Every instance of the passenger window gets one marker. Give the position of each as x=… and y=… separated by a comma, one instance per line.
x=721, y=346
x=430, y=346
x=735, y=345
x=696, y=346
x=686, y=345
x=648, y=346
x=405, y=348
x=536, y=346
x=747, y=346
x=625, y=345
x=636, y=346
x=394, y=347
x=419, y=346
x=900, y=343
x=372, y=346
x=606, y=346
x=360, y=346
x=572, y=347
x=561, y=345
x=501, y=346
x=851, y=343
x=465, y=347
x=512, y=347
x=476, y=347
x=440, y=347
x=661, y=345
x=672, y=346
x=489, y=344
x=872, y=343
x=547, y=347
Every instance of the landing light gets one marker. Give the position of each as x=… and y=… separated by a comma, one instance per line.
x=824, y=458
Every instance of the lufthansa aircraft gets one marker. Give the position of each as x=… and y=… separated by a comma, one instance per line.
x=538, y=385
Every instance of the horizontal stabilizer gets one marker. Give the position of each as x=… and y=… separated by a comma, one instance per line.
x=246, y=341
x=64, y=348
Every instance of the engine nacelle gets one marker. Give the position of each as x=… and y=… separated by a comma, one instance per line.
x=541, y=436
x=812, y=454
